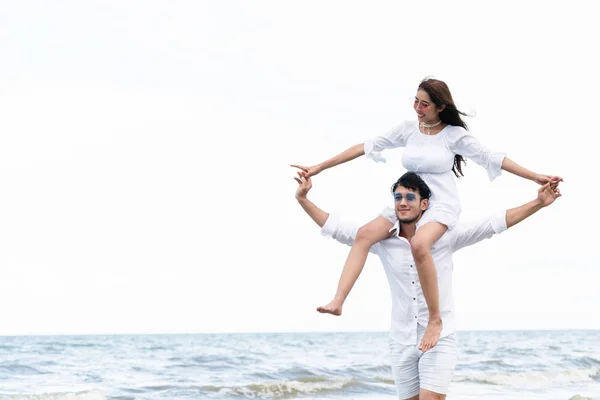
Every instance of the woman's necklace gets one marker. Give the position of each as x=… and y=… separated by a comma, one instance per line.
x=429, y=126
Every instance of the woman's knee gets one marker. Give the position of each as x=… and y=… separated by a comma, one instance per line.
x=370, y=233
x=419, y=246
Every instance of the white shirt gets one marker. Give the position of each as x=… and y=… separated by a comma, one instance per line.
x=408, y=303
x=432, y=158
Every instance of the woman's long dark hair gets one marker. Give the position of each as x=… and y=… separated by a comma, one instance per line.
x=440, y=95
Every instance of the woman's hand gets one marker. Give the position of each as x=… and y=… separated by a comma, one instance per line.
x=542, y=179
x=307, y=172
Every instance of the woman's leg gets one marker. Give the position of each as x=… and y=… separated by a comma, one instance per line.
x=367, y=236
x=421, y=244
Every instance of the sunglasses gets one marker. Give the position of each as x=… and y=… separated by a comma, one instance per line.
x=410, y=197
x=424, y=105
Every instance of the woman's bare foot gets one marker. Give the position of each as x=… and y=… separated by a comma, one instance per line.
x=334, y=307
x=432, y=334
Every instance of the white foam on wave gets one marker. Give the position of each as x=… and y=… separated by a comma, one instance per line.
x=283, y=389
x=88, y=395
x=534, y=378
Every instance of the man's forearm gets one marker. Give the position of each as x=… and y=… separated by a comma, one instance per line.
x=317, y=215
x=518, y=214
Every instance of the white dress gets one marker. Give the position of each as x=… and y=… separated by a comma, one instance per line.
x=432, y=158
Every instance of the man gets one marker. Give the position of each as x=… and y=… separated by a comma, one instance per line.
x=418, y=375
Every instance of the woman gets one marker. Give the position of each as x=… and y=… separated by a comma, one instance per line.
x=434, y=148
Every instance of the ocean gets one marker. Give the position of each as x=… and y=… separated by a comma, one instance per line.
x=561, y=365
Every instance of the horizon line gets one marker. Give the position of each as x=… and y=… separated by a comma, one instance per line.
x=279, y=332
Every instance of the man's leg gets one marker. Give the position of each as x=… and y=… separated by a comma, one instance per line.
x=405, y=369
x=436, y=368
x=427, y=395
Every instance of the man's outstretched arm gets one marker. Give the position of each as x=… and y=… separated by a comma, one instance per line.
x=331, y=224
x=317, y=215
x=468, y=234
x=546, y=196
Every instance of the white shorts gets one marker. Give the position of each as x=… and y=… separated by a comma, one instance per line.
x=413, y=370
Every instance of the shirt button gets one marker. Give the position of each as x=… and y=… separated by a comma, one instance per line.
x=414, y=298
x=415, y=316
x=411, y=266
x=413, y=282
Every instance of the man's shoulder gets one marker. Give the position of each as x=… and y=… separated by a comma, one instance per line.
x=447, y=239
x=452, y=236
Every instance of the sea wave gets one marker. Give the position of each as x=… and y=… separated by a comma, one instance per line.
x=585, y=361
x=88, y=395
x=534, y=378
x=283, y=390
x=19, y=369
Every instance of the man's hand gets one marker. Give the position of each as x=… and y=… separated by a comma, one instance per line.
x=546, y=196
x=304, y=185
x=548, y=193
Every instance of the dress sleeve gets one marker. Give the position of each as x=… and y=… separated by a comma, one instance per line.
x=396, y=137
x=462, y=142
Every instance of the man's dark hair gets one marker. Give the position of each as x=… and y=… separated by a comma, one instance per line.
x=412, y=181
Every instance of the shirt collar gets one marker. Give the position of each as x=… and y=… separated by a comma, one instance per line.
x=396, y=227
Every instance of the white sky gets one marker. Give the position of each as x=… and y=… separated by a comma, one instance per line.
x=144, y=151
